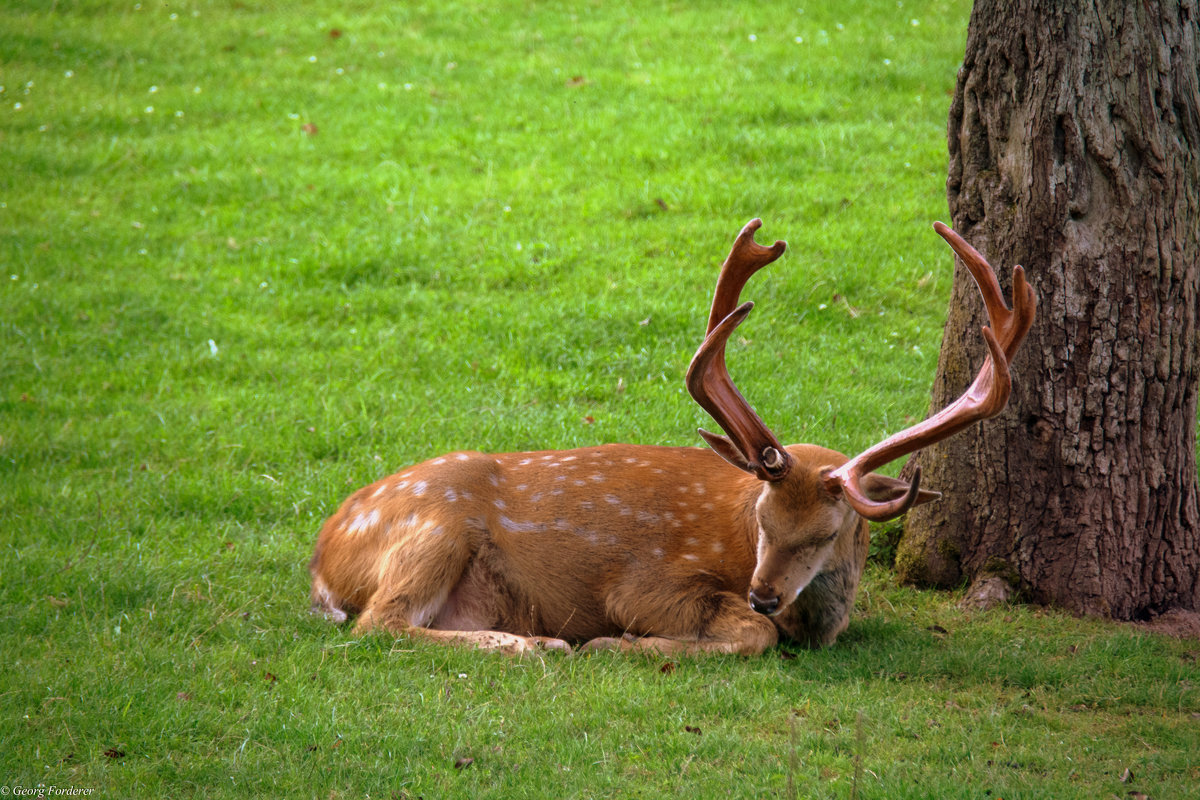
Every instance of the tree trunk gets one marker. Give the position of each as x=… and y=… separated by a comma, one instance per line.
x=1075, y=151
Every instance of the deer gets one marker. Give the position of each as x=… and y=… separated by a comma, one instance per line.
x=673, y=550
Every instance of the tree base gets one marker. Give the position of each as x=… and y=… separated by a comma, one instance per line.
x=986, y=593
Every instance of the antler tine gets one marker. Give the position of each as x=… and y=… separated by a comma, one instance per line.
x=745, y=258
x=986, y=397
x=749, y=440
x=1010, y=325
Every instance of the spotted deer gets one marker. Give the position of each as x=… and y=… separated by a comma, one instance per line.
x=623, y=546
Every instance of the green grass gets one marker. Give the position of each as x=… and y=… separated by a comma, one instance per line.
x=500, y=234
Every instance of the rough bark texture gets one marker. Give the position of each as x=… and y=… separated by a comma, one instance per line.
x=1075, y=151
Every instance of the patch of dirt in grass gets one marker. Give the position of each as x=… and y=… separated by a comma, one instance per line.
x=1176, y=622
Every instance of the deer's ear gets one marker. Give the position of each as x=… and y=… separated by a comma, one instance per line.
x=882, y=489
x=727, y=450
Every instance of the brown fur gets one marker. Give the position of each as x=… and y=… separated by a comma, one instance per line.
x=614, y=546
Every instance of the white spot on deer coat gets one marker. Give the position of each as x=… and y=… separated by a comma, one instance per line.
x=499, y=503
x=691, y=557
x=382, y=488
x=419, y=488
x=520, y=527
x=451, y=496
x=439, y=462
x=363, y=522
x=718, y=546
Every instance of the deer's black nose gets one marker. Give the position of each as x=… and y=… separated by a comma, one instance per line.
x=763, y=605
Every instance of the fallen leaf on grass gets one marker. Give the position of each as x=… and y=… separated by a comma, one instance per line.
x=114, y=753
x=464, y=762
x=668, y=667
x=309, y=128
x=692, y=729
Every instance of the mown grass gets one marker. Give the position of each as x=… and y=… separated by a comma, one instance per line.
x=258, y=254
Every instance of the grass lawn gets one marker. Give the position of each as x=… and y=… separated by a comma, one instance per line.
x=254, y=255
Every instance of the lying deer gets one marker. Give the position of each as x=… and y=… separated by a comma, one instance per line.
x=673, y=549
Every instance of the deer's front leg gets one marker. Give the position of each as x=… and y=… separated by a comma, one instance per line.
x=691, y=622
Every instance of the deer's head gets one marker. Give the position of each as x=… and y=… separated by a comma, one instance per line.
x=813, y=499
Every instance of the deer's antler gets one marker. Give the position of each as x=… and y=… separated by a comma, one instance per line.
x=986, y=396
x=749, y=442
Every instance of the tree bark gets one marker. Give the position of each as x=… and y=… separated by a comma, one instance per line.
x=1074, y=139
